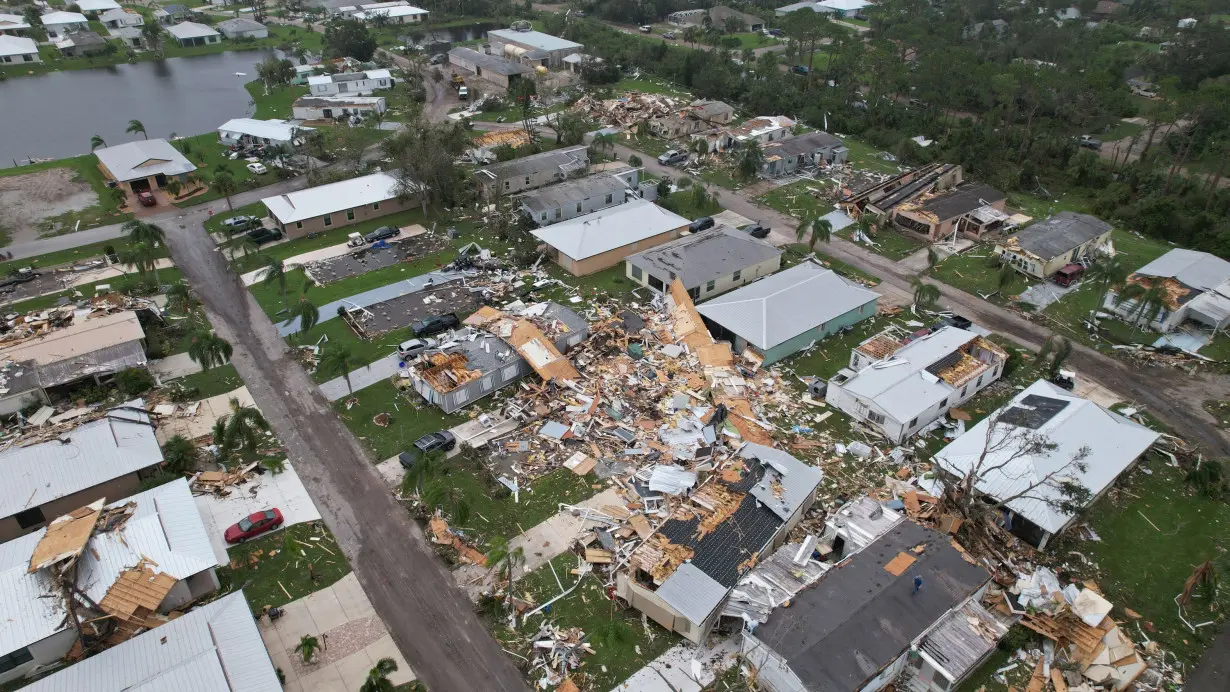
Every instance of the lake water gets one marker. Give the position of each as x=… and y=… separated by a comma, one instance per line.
x=54, y=115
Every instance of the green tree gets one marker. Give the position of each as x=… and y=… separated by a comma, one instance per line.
x=338, y=361
x=425, y=469
x=144, y=232
x=275, y=274
x=245, y=426
x=274, y=72
x=118, y=196
x=154, y=39
x=691, y=35
x=751, y=160
x=135, y=126
x=97, y=141
x=378, y=677
x=1005, y=279
x=349, y=38
x=173, y=187
x=208, y=349
x=307, y=647
x=179, y=299
x=820, y=229
x=305, y=311
x=179, y=455
x=224, y=184
x=144, y=257
x=1107, y=274
x=1148, y=301
x=439, y=494
x=504, y=559
x=925, y=294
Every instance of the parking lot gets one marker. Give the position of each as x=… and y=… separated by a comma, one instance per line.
x=405, y=310
x=371, y=258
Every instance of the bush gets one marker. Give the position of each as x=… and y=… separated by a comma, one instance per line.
x=134, y=381
x=635, y=161
x=179, y=454
x=1209, y=479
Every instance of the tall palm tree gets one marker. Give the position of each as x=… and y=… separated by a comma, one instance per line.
x=118, y=196
x=820, y=229
x=208, y=349
x=275, y=273
x=1006, y=279
x=1149, y=301
x=448, y=497
x=751, y=160
x=224, y=184
x=244, y=246
x=338, y=361
x=925, y=294
x=505, y=559
x=144, y=232
x=1108, y=274
x=378, y=677
x=97, y=141
x=135, y=126
x=244, y=428
x=867, y=222
x=307, y=313
x=144, y=257
x=429, y=467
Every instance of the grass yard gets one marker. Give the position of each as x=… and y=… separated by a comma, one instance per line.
x=123, y=284
x=362, y=352
x=279, y=35
x=754, y=39
x=211, y=157
x=684, y=204
x=494, y=514
x=795, y=200
x=1041, y=207
x=970, y=272
x=615, y=657
x=889, y=242
x=1120, y=130
x=277, y=103
x=219, y=380
x=795, y=252
x=64, y=257
x=864, y=155
x=650, y=146
x=650, y=85
x=721, y=177
x=285, y=566
x=409, y=421
x=85, y=169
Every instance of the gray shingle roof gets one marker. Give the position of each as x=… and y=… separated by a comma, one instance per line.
x=803, y=144
x=786, y=304
x=1060, y=233
x=702, y=257
x=525, y=165
x=573, y=191
x=490, y=63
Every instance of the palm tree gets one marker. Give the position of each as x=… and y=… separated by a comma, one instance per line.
x=135, y=126
x=378, y=677
x=821, y=229
x=751, y=160
x=208, y=349
x=224, y=184
x=244, y=428
x=179, y=299
x=933, y=258
x=275, y=273
x=1109, y=273
x=925, y=294
x=504, y=559
x=118, y=196
x=604, y=142
x=691, y=35
x=1006, y=279
x=868, y=222
x=97, y=141
x=306, y=312
x=144, y=257
x=144, y=232
x=173, y=187
x=244, y=246
x=427, y=468
x=439, y=494
x=700, y=147
x=338, y=361
x=1149, y=301
x=307, y=647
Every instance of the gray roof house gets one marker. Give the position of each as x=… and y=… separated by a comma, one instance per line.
x=1197, y=289
x=242, y=27
x=781, y=315
x=858, y=626
x=1045, y=247
x=708, y=263
x=573, y=198
x=492, y=68
x=803, y=151
x=720, y=13
x=776, y=489
x=533, y=171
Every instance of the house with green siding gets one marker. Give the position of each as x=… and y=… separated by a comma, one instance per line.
x=786, y=312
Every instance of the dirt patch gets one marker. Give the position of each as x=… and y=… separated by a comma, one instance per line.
x=27, y=200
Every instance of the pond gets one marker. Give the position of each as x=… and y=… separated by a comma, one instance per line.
x=54, y=115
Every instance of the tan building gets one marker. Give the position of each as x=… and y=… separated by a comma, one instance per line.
x=337, y=205
x=971, y=209
x=698, y=116
x=1043, y=248
x=143, y=165
x=603, y=239
x=49, y=479
x=708, y=263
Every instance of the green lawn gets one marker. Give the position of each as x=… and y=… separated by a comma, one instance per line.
x=122, y=284
x=63, y=257
x=1041, y=208
x=279, y=35
x=721, y=177
x=300, y=560
x=864, y=155
x=795, y=252
x=219, y=380
x=970, y=272
x=751, y=39
x=211, y=157
x=889, y=242
x=683, y=204
x=362, y=352
x=795, y=200
x=650, y=86
x=277, y=103
x=85, y=169
x=409, y=421
x=615, y=657
x=1120, y=130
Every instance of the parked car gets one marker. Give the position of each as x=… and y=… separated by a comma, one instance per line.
x=775, y=32
x=146, y=198
x=646, y=29
x=918, y=103
x=670, y=35
x=800, y=69
x=381, y=234
x=254, y=525
x=757, y=230
x=413, y=347
x=240, y=223
x=438, y=59
x=701, y=224
x=463, y=93
x=673, y=157
x=435, y=325
x=437, y=441
x=258, y=168
x=263, y=235
x=955, y=321
x=1091, y=142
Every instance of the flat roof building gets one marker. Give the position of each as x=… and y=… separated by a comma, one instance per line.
x=335, y=107
x=531, y=47
x=492, y=68
x=252, y=131
x=339, y=204
x=593, y=242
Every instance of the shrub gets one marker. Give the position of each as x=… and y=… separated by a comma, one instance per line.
x=134, y=381
x=1208, y=479
x=179, y=454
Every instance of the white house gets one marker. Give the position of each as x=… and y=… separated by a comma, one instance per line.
x=155, y=539
x=13, y=24
x=345, y=83
x=214, y=648
x=120, y=18
x=1105, y=443
x=242, y=27
x=250, y=131
x=1196, y=287
x=194, y=34
x=18, y=49
x=93, y=6
x=762, y=130
x=900, y=387
x=399, y=12
x=56, y=24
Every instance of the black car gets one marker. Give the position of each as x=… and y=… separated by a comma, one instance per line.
x=442, y=441
x=381, y=233
x=435, y=325
x=264, y=235
x=955, y=321
x=777, y=32
x=758, y=231
x=704, y=223
x=800, y=69
x=18, y=277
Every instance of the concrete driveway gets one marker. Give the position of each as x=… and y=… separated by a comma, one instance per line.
x=283, y=490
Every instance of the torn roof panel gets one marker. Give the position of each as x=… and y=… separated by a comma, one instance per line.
x=66, y=536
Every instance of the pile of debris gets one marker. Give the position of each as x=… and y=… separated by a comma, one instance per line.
x=558, y=651
x=441, y=534
x=628, y=110
x=220, y=482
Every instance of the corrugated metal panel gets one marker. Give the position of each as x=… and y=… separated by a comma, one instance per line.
x=104, y=361
x=28, y=615
x=1196, y=269
x=215, y=648
x=692, y=593
x=795, y=479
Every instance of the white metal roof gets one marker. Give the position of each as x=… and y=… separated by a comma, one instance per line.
x=1193, y=268
x=119, y=14
x=905, y=390
x=13, y=21
x=143, y=158
x=191, y=30
x=535, y=39
x=17, y=45
x=166, y=528
x=84, y=457
x=96, y=5
x=611, y=228
x=782, y=306
x=844, y=5
x=63, y=18
x=692, y=592
x=395, y=9
x=332, y=198
x=787, y=482
x=214, y=648
x=277, y=130
x=1114, y=443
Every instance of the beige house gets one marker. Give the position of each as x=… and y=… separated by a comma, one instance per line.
x=591, y=243
x=143, y=165
x=1043, y=248
x=698, y=116
x=708, y=263
x=337, y=205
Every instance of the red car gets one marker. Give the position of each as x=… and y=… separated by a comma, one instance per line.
x=254, y=525
x=146, y=198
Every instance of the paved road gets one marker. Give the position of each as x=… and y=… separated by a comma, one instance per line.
x=1171, y=395
x=431, y=621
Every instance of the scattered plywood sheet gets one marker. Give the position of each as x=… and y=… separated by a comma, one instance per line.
x=716, y=355
x=641, y=525
x=598, y=556
x=1061, y=685
x=580, y=463
x=898, y=565
x=911, y=502
x=137, y=592
x=66, y=536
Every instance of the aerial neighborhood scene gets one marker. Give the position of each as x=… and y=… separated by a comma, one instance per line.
x=614, y=346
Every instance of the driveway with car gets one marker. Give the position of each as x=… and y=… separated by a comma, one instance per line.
x=283, y=491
